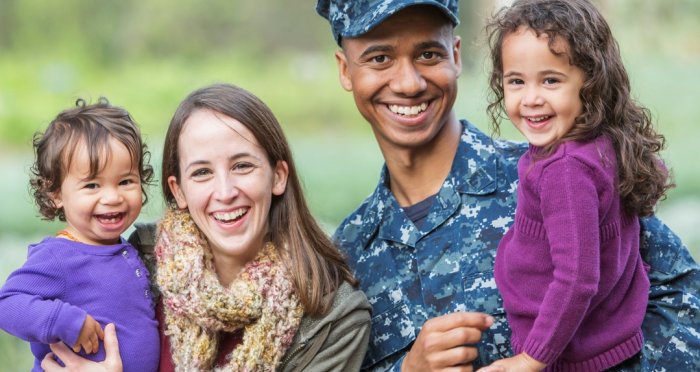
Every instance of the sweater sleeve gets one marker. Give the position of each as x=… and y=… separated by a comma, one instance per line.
x=30, y=302
x=569, y=205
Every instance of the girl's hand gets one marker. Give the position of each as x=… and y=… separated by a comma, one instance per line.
x=90, y=336
x=112, y=362
x=520, y=362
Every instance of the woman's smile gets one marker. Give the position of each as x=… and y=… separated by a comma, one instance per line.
x=230, y=217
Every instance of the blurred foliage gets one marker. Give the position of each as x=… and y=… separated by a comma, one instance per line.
x=147, y=55
x=112, y=32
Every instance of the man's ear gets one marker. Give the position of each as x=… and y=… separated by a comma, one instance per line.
x=342, y=60
x=177, y=192
x=457, y=54
x=279, y=184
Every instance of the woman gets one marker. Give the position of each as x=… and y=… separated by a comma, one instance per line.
x=248, y=280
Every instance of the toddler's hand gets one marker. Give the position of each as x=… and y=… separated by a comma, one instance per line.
x=520, y=362
x=89, y=336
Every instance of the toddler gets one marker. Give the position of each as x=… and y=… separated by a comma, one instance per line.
x=90, y=171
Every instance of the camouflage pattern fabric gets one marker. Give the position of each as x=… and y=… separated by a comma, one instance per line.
x=672, y=323
x=350, y=18
x=411, y=275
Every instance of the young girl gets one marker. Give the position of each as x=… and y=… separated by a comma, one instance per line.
x=573, y=283
x=90, y=170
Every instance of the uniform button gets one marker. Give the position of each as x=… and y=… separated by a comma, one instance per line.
x=138, y=273
x=125, y=253
x=146, y=293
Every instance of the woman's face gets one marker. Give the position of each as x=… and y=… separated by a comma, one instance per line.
x=227, y=184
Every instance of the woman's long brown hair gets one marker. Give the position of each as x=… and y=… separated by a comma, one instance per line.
x=316, y=265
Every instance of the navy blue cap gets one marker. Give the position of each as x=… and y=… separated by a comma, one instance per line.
x=352, y=18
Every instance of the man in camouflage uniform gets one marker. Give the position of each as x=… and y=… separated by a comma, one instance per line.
x=423, y=244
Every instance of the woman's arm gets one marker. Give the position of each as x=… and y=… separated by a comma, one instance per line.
x=339, y=339
x=345, y=347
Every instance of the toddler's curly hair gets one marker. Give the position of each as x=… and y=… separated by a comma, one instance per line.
x=91, y=126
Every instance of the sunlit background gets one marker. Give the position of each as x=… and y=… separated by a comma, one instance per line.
x=147, y=55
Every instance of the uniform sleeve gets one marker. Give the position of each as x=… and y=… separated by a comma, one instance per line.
x=569, y=205
x=672, y=322
x=29, y=303
x=396, y=367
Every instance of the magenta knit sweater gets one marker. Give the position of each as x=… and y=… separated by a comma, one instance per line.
x=573, y=282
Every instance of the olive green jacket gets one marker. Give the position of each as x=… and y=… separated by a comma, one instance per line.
x=336, y=341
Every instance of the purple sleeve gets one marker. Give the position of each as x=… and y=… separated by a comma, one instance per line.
x=30, y=302
x=569, y=205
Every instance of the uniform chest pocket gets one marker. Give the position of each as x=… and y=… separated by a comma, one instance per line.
x=478, y=283
x=481, y=295
x=392, y=331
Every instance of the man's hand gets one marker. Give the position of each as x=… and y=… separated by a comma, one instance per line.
x=90, y=336
x=444, y=343
x=73, y=362
x=520, y=362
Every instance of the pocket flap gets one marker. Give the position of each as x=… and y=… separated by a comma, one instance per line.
x=391, y=332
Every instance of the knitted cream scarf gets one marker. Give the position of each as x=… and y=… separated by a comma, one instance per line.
x=197, y=307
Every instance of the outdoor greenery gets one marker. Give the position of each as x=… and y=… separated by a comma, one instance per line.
x=147, y=55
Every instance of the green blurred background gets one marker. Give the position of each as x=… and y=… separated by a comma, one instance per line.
x=147, y=55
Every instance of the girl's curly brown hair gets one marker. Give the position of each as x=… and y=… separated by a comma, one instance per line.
x=86, y=125
x=608, y=108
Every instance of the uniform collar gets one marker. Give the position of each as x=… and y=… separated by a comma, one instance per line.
x=473, y=172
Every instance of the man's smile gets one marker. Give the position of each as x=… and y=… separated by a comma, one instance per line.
x=408, y=110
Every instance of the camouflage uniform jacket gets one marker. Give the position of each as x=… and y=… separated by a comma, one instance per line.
x=411, y=275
